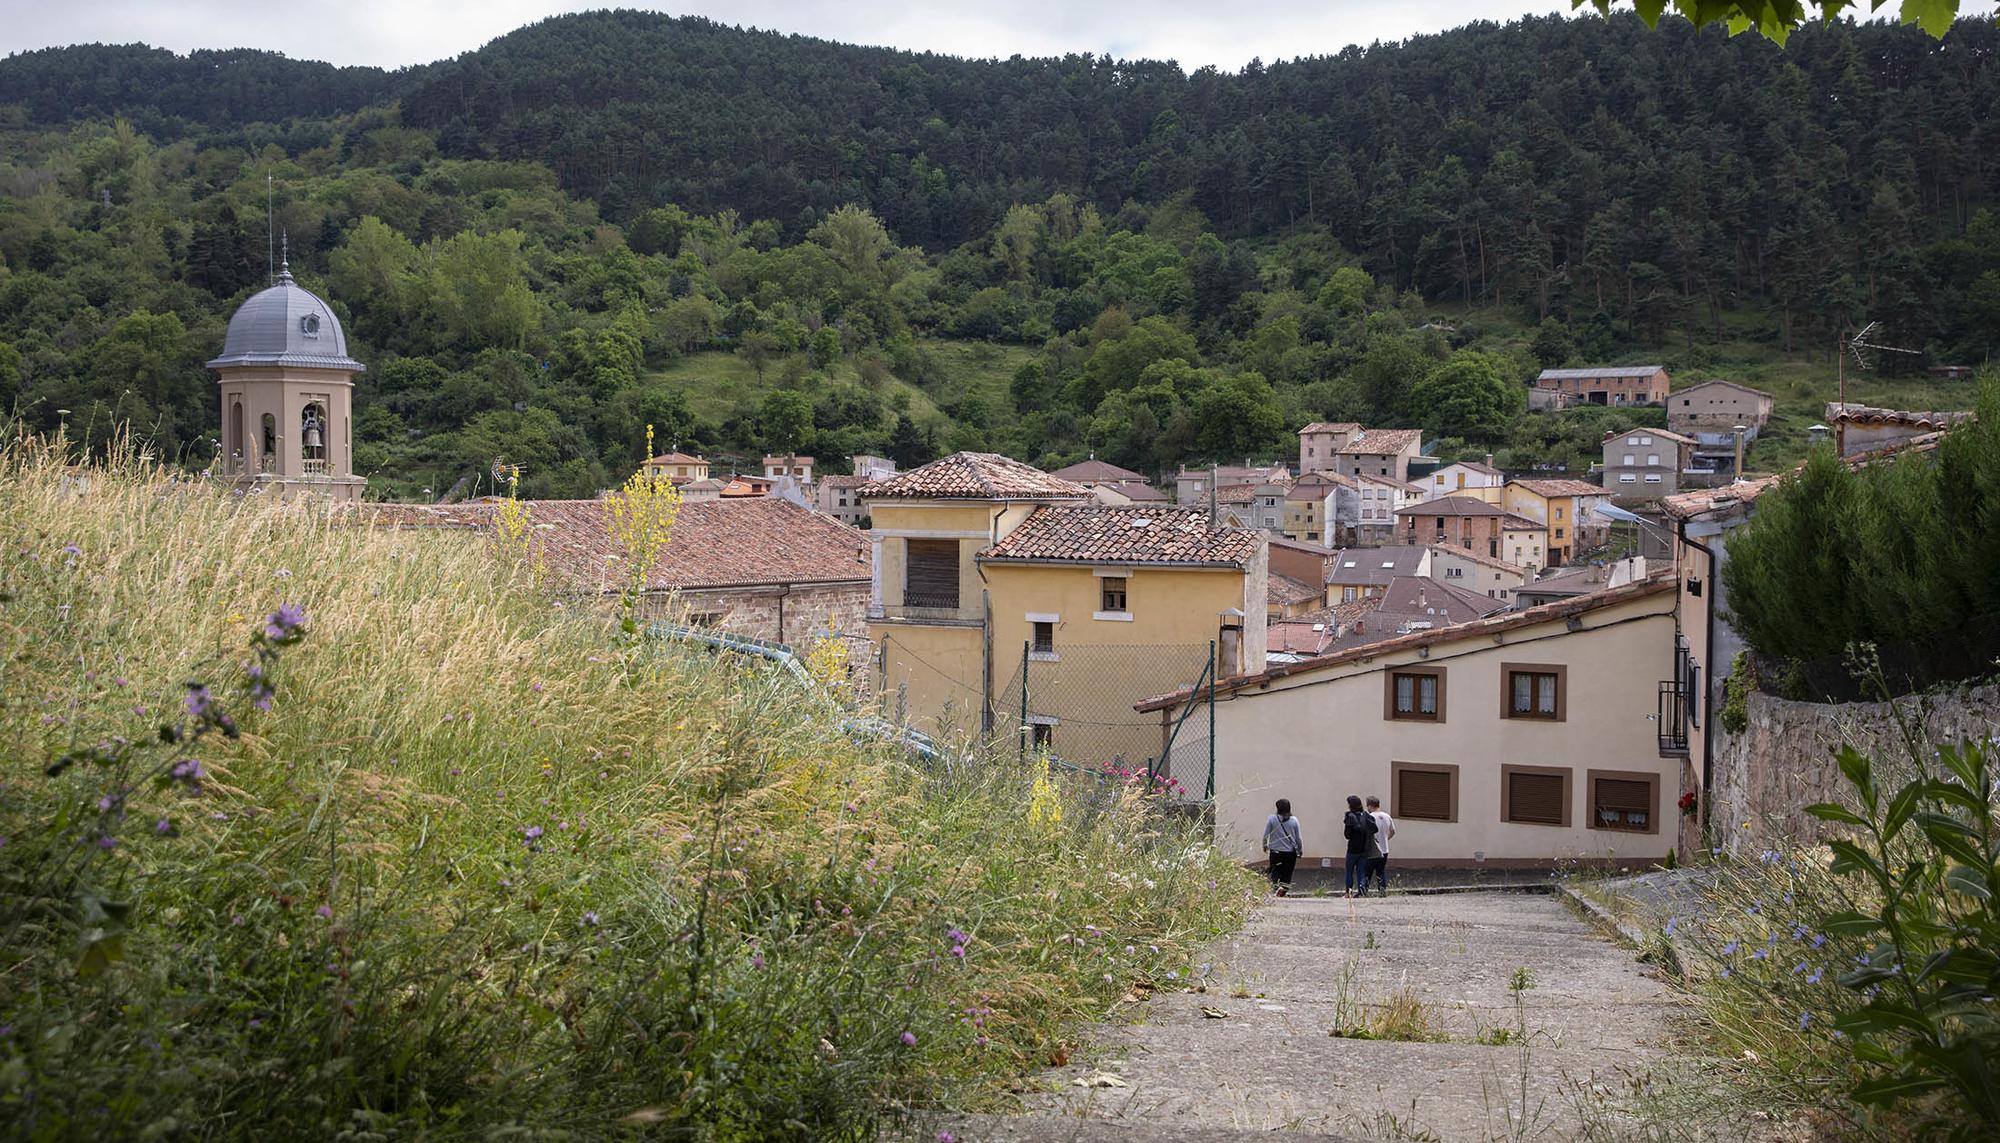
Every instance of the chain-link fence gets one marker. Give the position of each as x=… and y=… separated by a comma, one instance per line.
x=1867, y=672
x=1076, y=702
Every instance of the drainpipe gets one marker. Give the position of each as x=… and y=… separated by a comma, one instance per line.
x=1707, y=688
x=781, y=611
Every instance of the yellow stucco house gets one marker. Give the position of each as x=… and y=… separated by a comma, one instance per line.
x=1560, y=506
x=989, y=573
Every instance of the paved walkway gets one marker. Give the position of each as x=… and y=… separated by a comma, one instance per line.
x=1591, y=1026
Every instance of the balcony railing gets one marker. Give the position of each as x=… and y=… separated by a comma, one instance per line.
x=313, y=467
x=1675, y=705
x=924, y=607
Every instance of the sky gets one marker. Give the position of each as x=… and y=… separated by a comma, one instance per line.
x=392, y=33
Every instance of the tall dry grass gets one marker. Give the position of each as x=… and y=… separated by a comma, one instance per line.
x=488, y=866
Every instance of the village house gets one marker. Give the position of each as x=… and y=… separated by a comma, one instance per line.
x=1268, y=505
x=1093, y=472
x=1563, y=506
x=1519, y=740
x=1193, y=485
x=1298, y=571
x=1464, y=568
x=840, y=497
x=1311, y=501
x=708, y=488
x=1554, y=586
x=1477, y=479
x=1476, y=526
x=981, y=561
x=1718, y=406
x=799, y=468
x=1360, y=573
x=1378, y=499
x=1413, y=603
x=1645, y=464
x=677, y=467
x=1122, y=492
x=760, y=567
x=1379, y=452
x=1319, y=441
x=1604, y=385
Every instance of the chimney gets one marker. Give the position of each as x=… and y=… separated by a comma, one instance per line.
x=1489, y=460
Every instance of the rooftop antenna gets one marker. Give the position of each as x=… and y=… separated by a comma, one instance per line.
x=1858, y=344
x=270, y=226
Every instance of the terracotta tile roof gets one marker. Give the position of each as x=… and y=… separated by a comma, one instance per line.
x=1657, y=584
x=845, y=481
x=1331, y=427
x=806, y=460
x=1686, y=505
x=1284, y=589
x=1096, y=471
x=1467, y=506
x=977, y=476
x=1478, y=466
x=676, y=458
x=1100, y=534
x=711, y=484
x=715, y=543
x=1392, y=482
x=1137, y=491
x=1383, y=441
x=1546, y=488
x=1855, y=414
x=1236, y=494
x=1417, y=596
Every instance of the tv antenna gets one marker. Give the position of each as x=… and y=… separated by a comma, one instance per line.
x=1860, y=345
x=270, y=232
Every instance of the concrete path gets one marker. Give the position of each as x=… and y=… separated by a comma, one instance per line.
x=1555, y=1059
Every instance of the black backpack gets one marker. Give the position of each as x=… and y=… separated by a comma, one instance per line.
x=1360, y=825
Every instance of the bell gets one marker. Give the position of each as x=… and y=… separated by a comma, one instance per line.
x=312, y=436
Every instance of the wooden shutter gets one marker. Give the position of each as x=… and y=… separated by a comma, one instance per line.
x=1423, y=794
x=1535, y=798
x=932, y=579
x=1624, y=803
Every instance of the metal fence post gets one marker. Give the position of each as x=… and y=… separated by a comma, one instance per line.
x=1024, y=700
x=1209, y=794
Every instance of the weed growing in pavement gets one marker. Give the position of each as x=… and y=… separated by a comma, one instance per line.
x=484, y=864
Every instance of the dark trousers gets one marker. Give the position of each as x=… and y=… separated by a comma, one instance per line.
x=1376, y=872
x=1356, y=863
x=1282, y=865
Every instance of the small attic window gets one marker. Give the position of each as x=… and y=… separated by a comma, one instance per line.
x=1388, y=563
x=309, y=325
x=1348, y=564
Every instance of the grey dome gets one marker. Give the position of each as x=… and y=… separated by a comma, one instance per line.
x=286, y=325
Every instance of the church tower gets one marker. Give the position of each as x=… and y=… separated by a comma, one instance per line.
x=288, y=396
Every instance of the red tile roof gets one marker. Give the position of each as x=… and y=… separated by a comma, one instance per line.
x=1284, y=589
x=1331, y=427
x=1659, y=583
x=977, y=476
x=1547, y=488
x=1096, y=472
x=676, y=458
x=1467, y=506
x=1100, y=534
x=715, y=543
x=1667, y=433
x=1137, y=491
x=1383, y=441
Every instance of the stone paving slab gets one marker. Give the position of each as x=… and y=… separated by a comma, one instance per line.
x=1595, y=1021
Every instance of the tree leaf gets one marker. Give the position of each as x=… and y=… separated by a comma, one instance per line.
x=1650, y=10
x=1848, y=923
x=1855, y=767
x=1933, y=16
x=1884, y=1090
x=1902, y=807
x=1848, y=857
x=1969, y=881
x=1834, y=812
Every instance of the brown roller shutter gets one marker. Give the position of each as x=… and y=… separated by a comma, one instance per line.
x=932, y=579
x=1423, y=794
x=1535, y=798
x=1623, y=803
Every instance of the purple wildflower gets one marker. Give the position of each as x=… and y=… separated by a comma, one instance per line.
x=1805, y=1018
x=1814, y=978
x=285, y=622
x=164, y=827
x=198, y=700
x=1819, y=939
x=107, y=842
x=909, y=1039
x=325, y=912
x=590, y=918
x=72, y=550
x=1730, y=948
x=958, y=951
x=757, y=961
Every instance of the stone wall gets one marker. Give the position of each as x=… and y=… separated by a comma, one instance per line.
x=797, y=615
x=1783, y=760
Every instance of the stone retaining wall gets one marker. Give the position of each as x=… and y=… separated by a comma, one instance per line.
x=1783, y=760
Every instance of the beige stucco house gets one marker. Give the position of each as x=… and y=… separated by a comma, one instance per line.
x=1718, y=405
x=1462, y=567
x=1517, y=741
x=1477, y=479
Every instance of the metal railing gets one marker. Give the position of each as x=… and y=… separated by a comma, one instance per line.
x=1673, y=716
x=927, y=607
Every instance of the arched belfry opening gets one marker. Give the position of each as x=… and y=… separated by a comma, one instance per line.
x=284, y=369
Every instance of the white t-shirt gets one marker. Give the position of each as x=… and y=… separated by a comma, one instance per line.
x=1385, y=828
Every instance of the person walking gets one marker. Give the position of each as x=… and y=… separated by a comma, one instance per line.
x=1282, y=846
x=1376, y=872
x=1360, y=830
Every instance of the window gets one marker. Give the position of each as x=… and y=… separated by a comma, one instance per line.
x=1624, y=800
x=1534, y=690
x=1631, y=458
x=1627, y=478
x=1347, y=595
x=1653, y=478
x=1454, y=573
x=1645, y=440
x=1421, y=791
x=1045, y=637
x=1111, y=593
x=1534, y=795
x=930, y=578
x=1630, y=441
x=1414, y=694
x=1653, y=458
x=1559, y=515
x=1044, y=735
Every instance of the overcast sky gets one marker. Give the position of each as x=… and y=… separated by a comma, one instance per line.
x=391, y=33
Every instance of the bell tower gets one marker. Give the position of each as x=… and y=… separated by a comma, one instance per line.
x=287, y=391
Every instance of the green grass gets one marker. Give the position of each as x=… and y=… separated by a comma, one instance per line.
x=487, y=868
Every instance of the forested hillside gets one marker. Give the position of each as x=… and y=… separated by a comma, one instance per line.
x=763, y=241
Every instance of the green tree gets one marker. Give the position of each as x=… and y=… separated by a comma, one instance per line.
x=1238, y=416
x=785, y=420
x=478, y=290
x=1474, y=396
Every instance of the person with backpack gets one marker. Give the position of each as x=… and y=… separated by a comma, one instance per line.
x=1282, y=846
x=1360, y=829
x=1376, y=872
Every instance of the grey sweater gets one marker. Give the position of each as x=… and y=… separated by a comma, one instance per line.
x=1281, y=835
